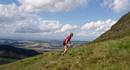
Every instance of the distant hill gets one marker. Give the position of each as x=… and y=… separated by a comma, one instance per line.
x=119, y=30
x=9, y=53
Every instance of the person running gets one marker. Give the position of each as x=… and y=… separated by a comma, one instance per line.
x=67, y=41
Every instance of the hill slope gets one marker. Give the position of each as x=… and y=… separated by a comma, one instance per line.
x=9, y=53
x=108, y=55
x=104, y=55
x=119, y=30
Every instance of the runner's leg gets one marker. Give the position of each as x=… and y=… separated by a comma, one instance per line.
x=65, y=49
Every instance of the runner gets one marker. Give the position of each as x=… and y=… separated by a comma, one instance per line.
x=67, y=41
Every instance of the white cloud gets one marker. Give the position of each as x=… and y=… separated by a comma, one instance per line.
x=68, y=27
x=8, y=10
x=49, y=25
x=118, y=5
x=94, y=29
x=121, y=5
x=98, y=25
x=22, y=22
x=51, y=5
x=14, y=20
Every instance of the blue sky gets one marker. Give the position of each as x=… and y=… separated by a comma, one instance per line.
x=87, y=13
x=53, y=19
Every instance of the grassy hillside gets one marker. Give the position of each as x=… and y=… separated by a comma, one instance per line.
x=10, y=53
x=111, y=52
x=107, y=55
x=119, y=30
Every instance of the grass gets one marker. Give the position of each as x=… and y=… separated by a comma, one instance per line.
x=107, y=55
x=4, y=60
x=8, y=59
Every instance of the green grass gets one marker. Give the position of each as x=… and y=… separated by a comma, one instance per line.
x=7, y=59
x=4, y=60
x=107, y=55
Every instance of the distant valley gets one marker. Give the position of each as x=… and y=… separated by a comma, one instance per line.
x=40, y=46
x=13, y=50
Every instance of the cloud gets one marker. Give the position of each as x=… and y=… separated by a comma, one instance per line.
x=13, y=20
x=121, y=5
x=51, y=5
x=95, y=29
x=118, y=5
x=100, y=24
x=67, y=27
x=49, y=25
x=9, y=10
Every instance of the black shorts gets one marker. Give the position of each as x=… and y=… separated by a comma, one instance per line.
x=63, y=43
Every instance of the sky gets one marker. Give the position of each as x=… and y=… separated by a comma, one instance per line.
x=53, y=19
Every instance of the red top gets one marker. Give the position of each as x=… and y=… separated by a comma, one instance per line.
x=67, y=39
